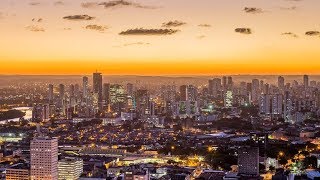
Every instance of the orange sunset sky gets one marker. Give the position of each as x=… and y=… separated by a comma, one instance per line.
x=128, y=37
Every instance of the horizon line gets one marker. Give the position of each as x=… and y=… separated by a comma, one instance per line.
x=162, y=75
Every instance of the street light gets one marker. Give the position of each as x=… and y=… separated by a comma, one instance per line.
x=281, y=153
x=210, y=149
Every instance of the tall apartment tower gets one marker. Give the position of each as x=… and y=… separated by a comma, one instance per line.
x=214, y=87
x=61, y=91
x=50, y=95
x=44, y=158
x=106, y=93
x=306, y=80
x=255, y=91
x=183, y=93
x=248, y=161
x=85, y=82
x=224, y=82
x=281, y=83
x=97, y=85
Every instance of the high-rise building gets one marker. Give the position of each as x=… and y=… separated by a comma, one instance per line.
x=40, y=112
x=117, y=93
x=261, y=85
x=255, y=91
x=187, y=108
x=106, y=93
x=97, y=85
x=70, y=168
x=230, y=83
x=281, y=83
x=224, y=82
x=261, y=141
x=85, y=84
x=71, y=90
x=271, y=104
x=191, y=93
x=248, y=161
x=288, y=107
x=183, y=92
x=313, y=83
x=228, y=99
x=76, y=90
x=306, y=80
x=214, y=87
x=142, y=100
x=130, y=89
x=50, y=95
x=243, y=89
x=61, y=91
x=44, y=158
x=61, y=95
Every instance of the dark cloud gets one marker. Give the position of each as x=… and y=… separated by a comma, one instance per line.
x=37, y=20
x=142, y=31
x=90, y=4
x=136, y=44
x=252, y=10
x=175, y=23
x=96, y=27
x=289, y=8
x=124, y=3
x=35, y=28
x=291, y=34
x=79, y=17
x=204, y=25
x=58, y=3
x=312, y=33
x=201, y=37
x=34, y=3
x=243, y=30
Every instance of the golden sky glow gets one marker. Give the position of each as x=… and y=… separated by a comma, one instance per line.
x=61, y=46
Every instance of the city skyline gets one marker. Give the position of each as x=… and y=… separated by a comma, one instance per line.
x=159, y=89
x=211, y=37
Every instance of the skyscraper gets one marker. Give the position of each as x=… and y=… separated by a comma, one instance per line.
x=106, y=93
x=255, y=91
x=76, y=90
x=214, y=86
x=306, y=80
x=191, y=93
x=71, y=90
x=61, y=95
x=44, y=158
x=85, y=82
x=230, y=83
x=183, y=93
x=130, y=89
x=281, y=83
x=50, y=94
x=97, y=85
x=271, y=104
x=61, y=91
x=224, y=82
x=228, y=99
